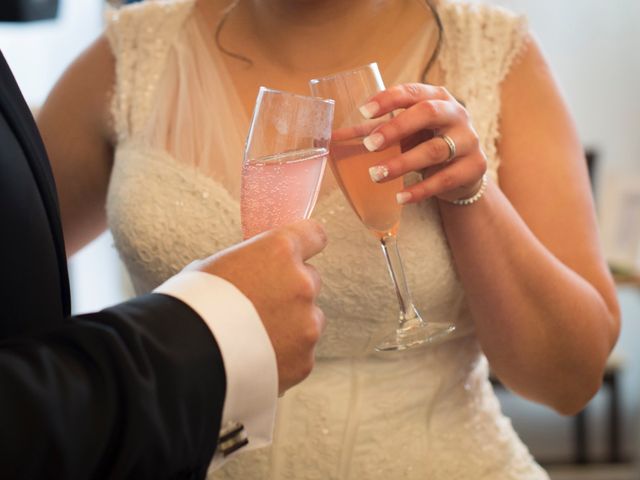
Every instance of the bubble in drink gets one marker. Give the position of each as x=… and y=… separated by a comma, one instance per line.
x=280, y=189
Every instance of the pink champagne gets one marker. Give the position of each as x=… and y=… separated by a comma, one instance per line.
x=374, y=203
x=280, y=189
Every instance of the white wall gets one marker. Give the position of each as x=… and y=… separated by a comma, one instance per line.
x=38, y=52
x=593, y=48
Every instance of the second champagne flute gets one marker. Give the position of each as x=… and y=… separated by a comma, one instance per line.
x=375, y=204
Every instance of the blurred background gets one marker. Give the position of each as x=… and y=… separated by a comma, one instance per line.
x=592, y=47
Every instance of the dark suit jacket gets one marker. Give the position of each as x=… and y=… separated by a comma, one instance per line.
x=134, y=391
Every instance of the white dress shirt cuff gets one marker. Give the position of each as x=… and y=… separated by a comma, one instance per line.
x=249, y=358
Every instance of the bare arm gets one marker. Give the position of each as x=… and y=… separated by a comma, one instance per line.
x=75, y=126
x=528, y=253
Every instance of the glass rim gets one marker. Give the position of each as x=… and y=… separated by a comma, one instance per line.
x=343, y=73
x=263, y=89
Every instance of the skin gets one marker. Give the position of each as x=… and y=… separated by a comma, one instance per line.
x=527, y=253
x=287, y=308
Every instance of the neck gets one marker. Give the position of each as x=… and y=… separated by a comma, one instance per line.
x=312, y=35
x=313, y=12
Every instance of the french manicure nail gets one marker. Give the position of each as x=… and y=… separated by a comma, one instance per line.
x=368, y=110
x=378, y=173
x=403, y=197
x=373, y=141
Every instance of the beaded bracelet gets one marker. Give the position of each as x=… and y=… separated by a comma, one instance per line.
x=476, y=196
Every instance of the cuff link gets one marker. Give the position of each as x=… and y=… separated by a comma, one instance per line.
x=232, y=438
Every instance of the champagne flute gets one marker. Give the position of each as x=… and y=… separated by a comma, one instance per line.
x=375, y=204
x=284, y=159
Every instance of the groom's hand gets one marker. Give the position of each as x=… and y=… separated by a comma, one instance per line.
x=270, y=270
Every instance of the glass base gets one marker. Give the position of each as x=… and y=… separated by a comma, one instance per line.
x=415, y=336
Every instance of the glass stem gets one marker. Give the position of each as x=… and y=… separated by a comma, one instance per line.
x=409, y=316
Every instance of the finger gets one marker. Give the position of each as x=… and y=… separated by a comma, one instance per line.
x=308, y=236
x=427, y=114
x=402, y=96
x=356, y=131
x=316, y=280
x=321, y=320
x=430, y=171
x=416, y=139
x=457, y=179
x=433, y=152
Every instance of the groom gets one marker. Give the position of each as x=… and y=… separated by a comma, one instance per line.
x=155, y=387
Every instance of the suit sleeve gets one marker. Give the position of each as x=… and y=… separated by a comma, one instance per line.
x=121, y=393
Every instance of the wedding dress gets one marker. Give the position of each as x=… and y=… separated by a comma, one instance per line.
x=173, y=197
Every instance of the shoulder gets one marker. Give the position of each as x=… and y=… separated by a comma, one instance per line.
x=475, y=23
x=148, y=9
x=482, y=37
x=481, y=44
x=478, y=14
x=89, y=77
x=141, y=37
x=154, y=18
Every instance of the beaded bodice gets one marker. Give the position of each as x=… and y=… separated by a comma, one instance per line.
x=173, y=197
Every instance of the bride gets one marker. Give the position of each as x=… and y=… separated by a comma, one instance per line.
x=146, y=130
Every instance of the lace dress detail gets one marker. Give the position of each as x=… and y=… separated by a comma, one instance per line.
x=429, y=413
x=483, y=40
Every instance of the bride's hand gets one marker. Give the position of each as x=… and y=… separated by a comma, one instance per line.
x=432, y=118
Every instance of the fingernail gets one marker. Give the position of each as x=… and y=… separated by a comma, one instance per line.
x=373, y=141
x=378, y=173
x=368, y=110
x=403, y=197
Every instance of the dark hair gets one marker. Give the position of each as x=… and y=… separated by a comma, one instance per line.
x=432, y=59
x=221, y=22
